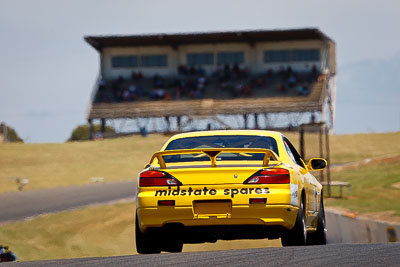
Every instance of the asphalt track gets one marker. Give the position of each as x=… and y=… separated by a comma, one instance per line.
x=343, y=255
x=25, y=204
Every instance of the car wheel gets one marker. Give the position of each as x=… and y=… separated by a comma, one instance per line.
x=173, y=247
x=146, y=243
x=297, y=236
x=319, y=236
x=172, y=240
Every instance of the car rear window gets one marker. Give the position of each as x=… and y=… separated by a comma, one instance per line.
x=220, y=141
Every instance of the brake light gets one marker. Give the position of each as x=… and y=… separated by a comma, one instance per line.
x=157, y=178
x=166, y=203
x=269, y=176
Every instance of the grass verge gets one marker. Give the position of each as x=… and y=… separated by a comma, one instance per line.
x=99, y=231
x=372, y=189
x=74, y=163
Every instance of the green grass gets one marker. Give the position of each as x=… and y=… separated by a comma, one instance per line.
x=99, y=231
x=95, y=231
x=74, y=163
x=352, y=147
x=57, y=165
x=371, y=188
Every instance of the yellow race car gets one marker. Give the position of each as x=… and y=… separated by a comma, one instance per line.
x=235, y=184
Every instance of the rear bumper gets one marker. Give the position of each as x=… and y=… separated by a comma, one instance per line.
x=277, y=210
x=254, y=214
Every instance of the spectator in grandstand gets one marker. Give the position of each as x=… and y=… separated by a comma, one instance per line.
x=182, y=70
x=302, y=90
x=281, y=87
x=247, y=90
x=132, y=92
x=259, y=82
x=281, y=72
x=291, y=81
x=136, y=75
x=120, y=80
x=238, y=90
x=201, y=82
x=236, y=70
x=219, y=72
x=289, y=71
x=198, y=94
x=102, y=84
x=201, y=71
x=157, y=93
x=192, y=71
x=270, y=73
x=125, y=95
x=158, y=81
x=227, y=72
x=177, y=92
x=167, y=96
x=314, y=72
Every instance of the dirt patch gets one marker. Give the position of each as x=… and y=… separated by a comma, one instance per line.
x=357, y=164
x=396, y=185
x=381, y=216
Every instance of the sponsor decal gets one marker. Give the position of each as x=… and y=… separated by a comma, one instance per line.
x=315, y=199
x=294, y=194
x=210, y=192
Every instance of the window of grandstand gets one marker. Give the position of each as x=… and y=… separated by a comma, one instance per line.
x=291, y=55
x=153, y=61
x=200, y=59
x=306, y=55
x=277, y=56
x=230, y=58
x=124, y=61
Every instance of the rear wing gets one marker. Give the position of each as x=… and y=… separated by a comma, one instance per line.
x=212, y=153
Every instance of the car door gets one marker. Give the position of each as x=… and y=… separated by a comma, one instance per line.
x=308, y=182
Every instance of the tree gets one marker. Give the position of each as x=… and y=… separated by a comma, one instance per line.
x=81, y=132
x=9, y=134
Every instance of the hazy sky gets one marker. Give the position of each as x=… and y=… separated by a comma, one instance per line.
x=47, y=70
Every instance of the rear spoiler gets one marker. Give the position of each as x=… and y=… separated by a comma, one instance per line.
x=212, y=153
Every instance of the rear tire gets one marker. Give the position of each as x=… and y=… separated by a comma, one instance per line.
x=173, y=247
x=319, y=236
x=172, y=239
x=146, y=243
x=297, y=236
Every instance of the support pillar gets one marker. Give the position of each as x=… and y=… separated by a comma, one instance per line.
x=321, y=149
x=301, y=141
x=168, y=123
x=91, y=129
x=103, y=125
x=178, y=122
x=245, y=118
x=256, y=121
x=328, y=168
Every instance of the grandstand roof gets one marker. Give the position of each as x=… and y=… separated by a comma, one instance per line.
x=176, y=39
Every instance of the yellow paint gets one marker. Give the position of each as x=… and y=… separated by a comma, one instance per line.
x=222, y=182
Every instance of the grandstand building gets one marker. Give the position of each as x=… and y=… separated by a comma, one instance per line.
x=238, y=79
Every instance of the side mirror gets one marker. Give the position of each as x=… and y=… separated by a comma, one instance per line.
x=317, y=164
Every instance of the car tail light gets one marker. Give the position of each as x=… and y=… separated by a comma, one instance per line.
x=157, y=178
x=166, y=203
x=269, y=176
